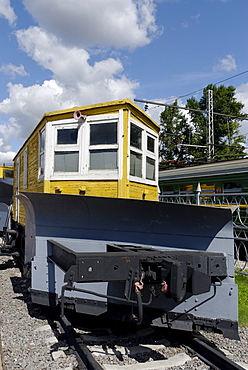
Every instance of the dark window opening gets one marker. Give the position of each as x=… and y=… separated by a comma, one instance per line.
x=8, y=174
x=67, y=136
x=136, y=136
x=232, y=187
x=103, y=133
x=150, y=144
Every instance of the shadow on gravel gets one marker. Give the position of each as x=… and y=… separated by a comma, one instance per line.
x=7, y=264
x=21, y=286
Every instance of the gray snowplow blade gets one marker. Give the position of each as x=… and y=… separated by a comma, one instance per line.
x=162, y=225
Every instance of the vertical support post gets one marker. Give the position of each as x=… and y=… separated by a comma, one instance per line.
x=198, y=193
x=210, y=126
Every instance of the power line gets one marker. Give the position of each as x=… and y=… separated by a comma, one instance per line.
x=198, y=91
x=242, y=118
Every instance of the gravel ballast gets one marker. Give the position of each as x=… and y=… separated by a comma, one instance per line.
x=28, y=342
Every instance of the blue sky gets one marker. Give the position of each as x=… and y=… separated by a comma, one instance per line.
x=60, y=54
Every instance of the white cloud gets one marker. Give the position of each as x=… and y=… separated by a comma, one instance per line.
x=7, y=131
x=59, y=45
x=7, y=12
x=26, y=106
x=68, y=64
x=196, y=17
x=109, y=23
x=185, y=24
x=226, y=64
x=154, y=111
x=80, y=81
x=242, y=96
x=6, y=158
x=12, y=70
x=75, y=82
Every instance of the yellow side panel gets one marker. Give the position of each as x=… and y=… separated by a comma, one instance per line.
x=103, y=189
x=33, y=184
x=32, y=175
x=141, y=191
x=92, y=188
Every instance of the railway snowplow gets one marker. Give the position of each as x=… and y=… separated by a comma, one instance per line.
x=150, y=262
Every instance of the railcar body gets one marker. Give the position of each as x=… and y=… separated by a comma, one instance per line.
x=6, y=184
x=6, y=193
x=91, y=248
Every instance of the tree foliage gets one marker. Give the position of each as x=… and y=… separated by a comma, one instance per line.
x=174, y=131
x=228, y=142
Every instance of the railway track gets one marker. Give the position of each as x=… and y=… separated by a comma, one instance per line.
x=152, y=348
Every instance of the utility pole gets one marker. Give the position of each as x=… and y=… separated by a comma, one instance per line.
x=210, y=126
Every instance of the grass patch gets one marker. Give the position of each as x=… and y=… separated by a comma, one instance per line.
x=242, y=282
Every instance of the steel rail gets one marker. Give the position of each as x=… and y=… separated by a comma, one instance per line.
x=208, y=354
x=83, y=354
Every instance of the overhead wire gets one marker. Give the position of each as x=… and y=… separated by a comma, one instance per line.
x=216, y=83
x=199, y=90
x=241, y=118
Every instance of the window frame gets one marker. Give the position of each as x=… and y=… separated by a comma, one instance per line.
x=25, y=168
x=102, y=147
x=66, y=147
x=42, y=152
x=84, y=172
x=146, y=132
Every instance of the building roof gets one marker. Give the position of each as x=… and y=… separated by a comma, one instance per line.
x=210, y=169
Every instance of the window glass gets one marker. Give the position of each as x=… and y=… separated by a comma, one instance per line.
x=103, y=133
x=41, y=152
x=232, y=187
x=186, y=189
x=66, y=161
x=103, y=159
x=136, y=136
x=67, y=136
x=150, y=168
x=168, y=189
x=42, y=141
x=42, y=161
x=8, y=173
x=135, y=164
x=150, y=144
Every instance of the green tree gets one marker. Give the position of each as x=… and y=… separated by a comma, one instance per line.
x=174, y=131
x=227, y=138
